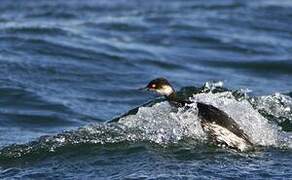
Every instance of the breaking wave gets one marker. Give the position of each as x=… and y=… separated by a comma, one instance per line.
x=261, y=118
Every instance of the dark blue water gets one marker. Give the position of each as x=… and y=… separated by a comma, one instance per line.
x=66, y=65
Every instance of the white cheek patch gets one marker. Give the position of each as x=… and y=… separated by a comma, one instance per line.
x=165, y=90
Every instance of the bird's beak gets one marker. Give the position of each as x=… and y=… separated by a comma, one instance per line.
x=144, y=89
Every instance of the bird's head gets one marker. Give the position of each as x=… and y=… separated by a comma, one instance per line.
x=160, y=86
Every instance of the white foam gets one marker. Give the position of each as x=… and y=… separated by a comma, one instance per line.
x=276, y=105
x=161, y=124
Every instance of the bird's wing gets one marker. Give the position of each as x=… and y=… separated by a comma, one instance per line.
x=211, y=114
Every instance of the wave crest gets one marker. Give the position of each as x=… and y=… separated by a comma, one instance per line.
x=164, y=125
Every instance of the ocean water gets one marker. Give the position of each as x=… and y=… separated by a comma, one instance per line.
x=69, y=67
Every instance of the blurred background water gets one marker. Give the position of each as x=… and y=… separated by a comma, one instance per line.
x=66, y=64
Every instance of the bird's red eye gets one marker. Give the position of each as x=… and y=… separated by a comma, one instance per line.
x=153, y=85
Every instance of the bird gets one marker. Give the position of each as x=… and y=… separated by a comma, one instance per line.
x=218, y=125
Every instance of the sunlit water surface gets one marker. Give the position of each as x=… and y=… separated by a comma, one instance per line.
x=67, y=67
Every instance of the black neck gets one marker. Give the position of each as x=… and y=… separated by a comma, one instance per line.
x=172, y=97
x=176, y=101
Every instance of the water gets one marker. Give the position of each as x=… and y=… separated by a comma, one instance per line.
x=68, y=67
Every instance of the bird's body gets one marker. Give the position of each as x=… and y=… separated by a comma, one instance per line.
x=222, y=129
